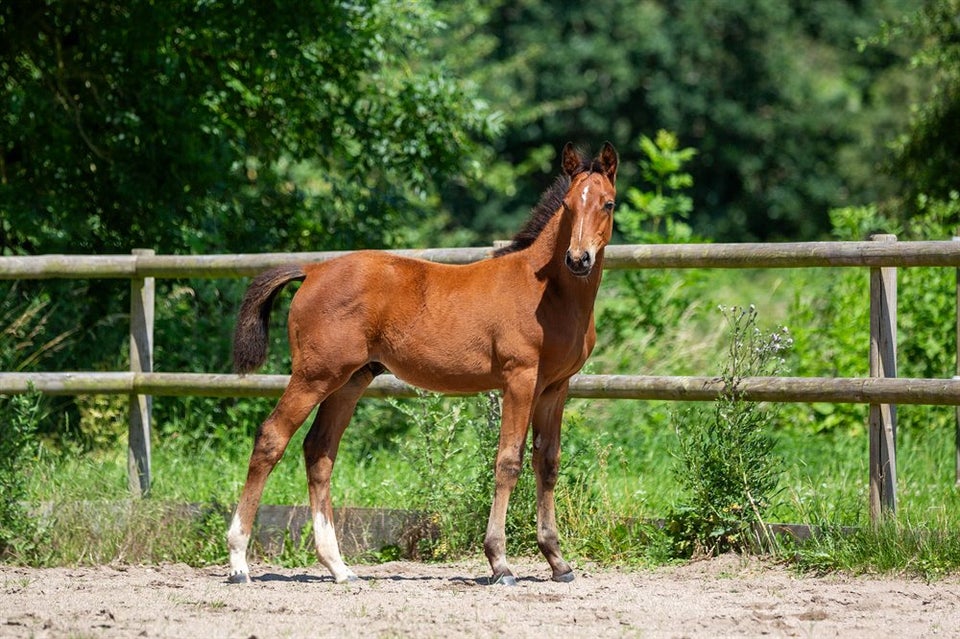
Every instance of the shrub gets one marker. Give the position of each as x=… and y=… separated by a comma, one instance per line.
x=725, y=457
x=18, y=451
x=832, y=330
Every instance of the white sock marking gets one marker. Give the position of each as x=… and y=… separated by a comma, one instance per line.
x=237, y=543
x=328, y=551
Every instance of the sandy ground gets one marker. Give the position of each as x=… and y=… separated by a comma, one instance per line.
x=725, y=597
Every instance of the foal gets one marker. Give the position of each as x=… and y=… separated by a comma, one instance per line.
x=521, y=321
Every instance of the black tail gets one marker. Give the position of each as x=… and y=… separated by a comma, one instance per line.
x=250, y=336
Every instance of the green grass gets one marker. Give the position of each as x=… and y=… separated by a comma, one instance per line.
x=616, y=470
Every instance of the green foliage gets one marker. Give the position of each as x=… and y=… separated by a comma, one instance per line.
x=595, y=520
x=638, y=306
x=25, y=321
x=829, y=347
x=928, y=549
x=725, y=459
x=197, y=127
x=925, y=159
x=786, y=114
x=19, y=448
x=662, y=167
x=143, y=531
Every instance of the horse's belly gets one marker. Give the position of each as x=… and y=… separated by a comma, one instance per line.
x=442, y=379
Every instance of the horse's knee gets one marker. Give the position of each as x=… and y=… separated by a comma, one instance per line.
x=548, y=470
x=508, y=470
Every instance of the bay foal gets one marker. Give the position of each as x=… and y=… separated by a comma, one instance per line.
x=521, y=322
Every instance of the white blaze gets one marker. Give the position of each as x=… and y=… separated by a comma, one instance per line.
x=583, y=198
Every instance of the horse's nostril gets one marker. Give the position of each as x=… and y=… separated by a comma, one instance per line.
x=579, y=265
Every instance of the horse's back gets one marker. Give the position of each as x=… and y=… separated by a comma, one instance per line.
x=441, y=327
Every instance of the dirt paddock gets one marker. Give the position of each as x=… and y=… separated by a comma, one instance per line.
x=729, y=596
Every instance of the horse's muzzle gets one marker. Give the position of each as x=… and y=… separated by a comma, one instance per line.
x=579, y=265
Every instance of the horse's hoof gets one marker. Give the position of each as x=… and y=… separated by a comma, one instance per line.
x=503, y=580
x=565, y=578
x=239, y=578
x=347, y=579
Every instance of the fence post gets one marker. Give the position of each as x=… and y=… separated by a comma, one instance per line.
x=141, y=361
x=883, y=363
x=956, y=238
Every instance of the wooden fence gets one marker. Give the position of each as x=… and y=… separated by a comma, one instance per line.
x=882, y=390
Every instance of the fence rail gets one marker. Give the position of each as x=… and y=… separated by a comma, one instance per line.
x=882, y=391
x=844, y=390
x=616, y=257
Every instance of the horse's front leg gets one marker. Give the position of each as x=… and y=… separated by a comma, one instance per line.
x=547, y=419
x=517, y=406
x=320, y=452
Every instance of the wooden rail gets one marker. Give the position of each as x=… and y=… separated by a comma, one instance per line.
x=851, y=390
x=882, y=391
x=616, y=257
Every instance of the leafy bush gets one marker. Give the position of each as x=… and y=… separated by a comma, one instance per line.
x=635, y=308
x=725, y=461
x=662, y=212
x=832, y=326
x=18, y=450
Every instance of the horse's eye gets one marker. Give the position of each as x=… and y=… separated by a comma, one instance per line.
x=608, y=207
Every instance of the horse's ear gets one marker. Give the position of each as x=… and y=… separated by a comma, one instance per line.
x=608, y=162
x=571, y=161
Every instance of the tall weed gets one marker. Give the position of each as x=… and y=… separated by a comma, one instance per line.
x=725, y=457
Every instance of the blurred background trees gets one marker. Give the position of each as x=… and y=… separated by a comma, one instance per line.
x=789, y=116
x=192, y=127
x=203, y=126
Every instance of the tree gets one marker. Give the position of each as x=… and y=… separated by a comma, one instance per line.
x=191, y=126
x=926, y=159
x=785, y=112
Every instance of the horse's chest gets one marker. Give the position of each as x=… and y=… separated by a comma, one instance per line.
x=566, y=349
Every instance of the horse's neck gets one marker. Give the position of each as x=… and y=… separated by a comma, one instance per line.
x=547, y=254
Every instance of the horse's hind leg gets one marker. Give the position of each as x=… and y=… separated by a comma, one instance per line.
x=271, y=440
x=320, y=453
x=547, y=418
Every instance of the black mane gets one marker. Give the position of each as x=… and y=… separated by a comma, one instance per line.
x=550, y=202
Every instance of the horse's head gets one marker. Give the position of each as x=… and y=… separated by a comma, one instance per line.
x=589, y=205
